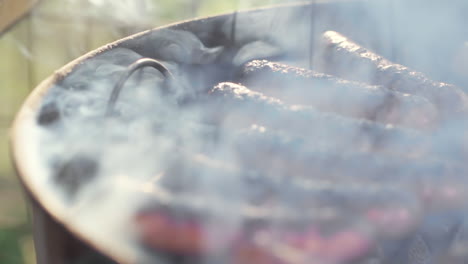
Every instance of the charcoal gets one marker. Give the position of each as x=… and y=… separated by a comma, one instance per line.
x=327, y=93
x=342, y=57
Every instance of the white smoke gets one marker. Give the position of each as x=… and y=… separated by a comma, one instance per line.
x=218, y=149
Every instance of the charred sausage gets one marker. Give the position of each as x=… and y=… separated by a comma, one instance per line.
x=345, y=58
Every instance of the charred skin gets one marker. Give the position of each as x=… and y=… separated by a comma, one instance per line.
x=344, y=58
x=327, y=93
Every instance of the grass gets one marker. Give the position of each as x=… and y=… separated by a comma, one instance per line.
x=16, y=244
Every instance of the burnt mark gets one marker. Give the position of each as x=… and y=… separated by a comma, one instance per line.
x=73, y=174
x=49, y=114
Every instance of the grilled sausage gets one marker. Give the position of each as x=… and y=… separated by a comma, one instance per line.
x=178, y=218
x=234, y=105
x=277, y=153
x=182, y=222
x=265, y=200
x=327, y=93
x=344, y=58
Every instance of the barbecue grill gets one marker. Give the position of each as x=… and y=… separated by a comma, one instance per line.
x=349, y=215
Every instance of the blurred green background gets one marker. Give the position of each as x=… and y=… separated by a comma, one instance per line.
x=56, y=32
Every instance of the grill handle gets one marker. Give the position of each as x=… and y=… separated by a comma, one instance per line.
x=141, y=63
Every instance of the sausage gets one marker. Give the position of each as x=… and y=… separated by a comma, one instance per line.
x=261, y=190
x=265, y=198
x=182, y=223
x=294, y=85
x=278, y=153
x=234, y=105
x=438, y=184
x=344, y=58
x=177, y=218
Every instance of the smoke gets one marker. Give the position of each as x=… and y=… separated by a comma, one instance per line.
x=212, y=165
